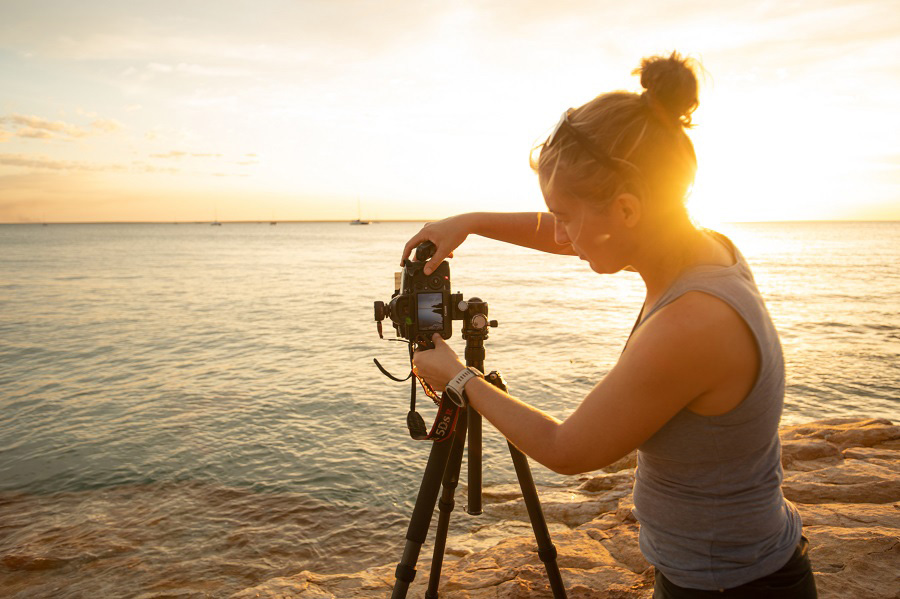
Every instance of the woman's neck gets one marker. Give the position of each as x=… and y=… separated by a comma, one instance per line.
x=665, y=253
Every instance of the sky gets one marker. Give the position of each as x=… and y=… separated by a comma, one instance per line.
x=328, y=110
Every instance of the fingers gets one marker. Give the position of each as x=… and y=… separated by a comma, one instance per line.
x=416, y=240
x=433, y=263
x=436, y=339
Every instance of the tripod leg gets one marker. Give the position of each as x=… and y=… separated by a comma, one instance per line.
x=546, y=549
x=422, y=512
x=473, y=507
x=446, y=504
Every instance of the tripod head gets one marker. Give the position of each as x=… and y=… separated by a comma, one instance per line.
x=423, y=305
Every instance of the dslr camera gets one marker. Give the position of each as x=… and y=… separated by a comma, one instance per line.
x=420, y=305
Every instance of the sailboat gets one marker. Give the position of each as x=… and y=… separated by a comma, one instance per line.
x=216, y=222
x=359, y=220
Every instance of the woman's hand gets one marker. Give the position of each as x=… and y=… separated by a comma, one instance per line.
x=437, y=366
x=447, y=235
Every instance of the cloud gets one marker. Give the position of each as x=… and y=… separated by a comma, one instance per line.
x=31, y=133
x=29, y=126
x=178, y=155
x=143, y=167
x=45, y=163
x=107, y=125
x=35, y=127
x=159, y=68
x=191, y=70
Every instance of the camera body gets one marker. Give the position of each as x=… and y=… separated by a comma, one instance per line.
x=420, y=306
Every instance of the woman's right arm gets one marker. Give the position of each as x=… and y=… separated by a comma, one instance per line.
x=527, y=229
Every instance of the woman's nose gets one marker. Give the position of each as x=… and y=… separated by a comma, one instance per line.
x=560, y=235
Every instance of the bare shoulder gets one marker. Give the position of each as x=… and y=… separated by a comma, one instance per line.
x=704, y=339
x=696, y=313
x=693, y=354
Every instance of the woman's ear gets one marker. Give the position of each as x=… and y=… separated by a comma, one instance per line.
x=628, y=209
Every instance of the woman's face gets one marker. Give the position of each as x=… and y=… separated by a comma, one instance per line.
x=591, y=232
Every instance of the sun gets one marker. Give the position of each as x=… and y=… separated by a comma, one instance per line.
x=762, y=161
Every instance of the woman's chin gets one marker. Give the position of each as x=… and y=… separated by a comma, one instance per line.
x=597, y=268
x=600, y=268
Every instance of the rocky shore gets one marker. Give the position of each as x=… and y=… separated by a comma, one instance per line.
x=842, y=474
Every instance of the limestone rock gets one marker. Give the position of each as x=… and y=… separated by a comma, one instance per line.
x=628, y=462
x=796, y=453
x=851, y=515
x=843, y=474
x=851, y=481
x=855, y=562
x=845, y=432
x=375, y=582
x=607, y=482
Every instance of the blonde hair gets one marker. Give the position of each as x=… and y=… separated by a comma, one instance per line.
x=643, y=135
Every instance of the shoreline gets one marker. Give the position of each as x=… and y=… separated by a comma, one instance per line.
x=842, y=474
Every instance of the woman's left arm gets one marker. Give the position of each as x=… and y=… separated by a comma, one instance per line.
x=673, y=358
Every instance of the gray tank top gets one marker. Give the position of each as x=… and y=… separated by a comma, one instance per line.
x=707, y=489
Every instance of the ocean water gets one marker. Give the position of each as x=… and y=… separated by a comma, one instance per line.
x=190, y=410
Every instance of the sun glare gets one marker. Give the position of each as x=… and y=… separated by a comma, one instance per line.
x=762, y=161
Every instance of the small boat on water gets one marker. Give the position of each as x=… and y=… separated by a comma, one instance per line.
x=359, y=220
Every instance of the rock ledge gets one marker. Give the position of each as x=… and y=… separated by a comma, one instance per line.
x=842, y=474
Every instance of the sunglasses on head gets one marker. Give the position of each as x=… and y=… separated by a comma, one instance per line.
x=583, y=140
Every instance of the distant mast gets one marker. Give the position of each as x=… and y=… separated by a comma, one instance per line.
x=359, y=220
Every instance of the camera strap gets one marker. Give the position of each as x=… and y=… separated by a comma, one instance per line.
x=447, y=414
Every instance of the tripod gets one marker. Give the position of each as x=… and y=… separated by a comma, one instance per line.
x=443, y=467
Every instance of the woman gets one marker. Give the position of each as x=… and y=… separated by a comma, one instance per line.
x=698, y=389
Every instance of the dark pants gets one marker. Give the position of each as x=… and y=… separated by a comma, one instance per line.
x=793, y=581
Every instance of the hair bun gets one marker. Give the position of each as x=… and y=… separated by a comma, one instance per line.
x=671, y=84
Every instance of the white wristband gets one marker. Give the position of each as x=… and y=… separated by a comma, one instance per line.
x=456, y=386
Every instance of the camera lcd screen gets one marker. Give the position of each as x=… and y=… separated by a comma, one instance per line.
x=431, y=311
